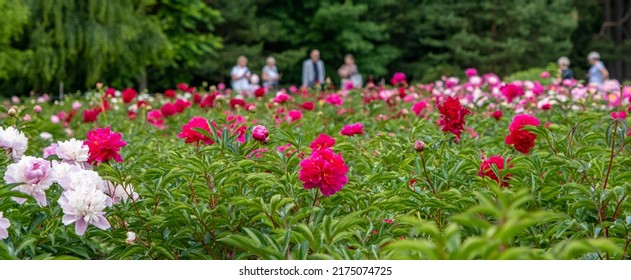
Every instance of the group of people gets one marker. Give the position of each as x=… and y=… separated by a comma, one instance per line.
x=596, y=75
x=313, y=73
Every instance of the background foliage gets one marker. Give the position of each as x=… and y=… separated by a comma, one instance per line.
x=156, y=43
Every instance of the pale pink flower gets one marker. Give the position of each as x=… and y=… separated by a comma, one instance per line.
x=73, y=151
x=84, y=206
x=34, y=175
x=4, y=224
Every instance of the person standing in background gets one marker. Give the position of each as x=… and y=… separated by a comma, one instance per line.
x=597, y=72
x=349, y=73
x=313, y=70
x=240, y=75
x=565, y=73
x=270, y=74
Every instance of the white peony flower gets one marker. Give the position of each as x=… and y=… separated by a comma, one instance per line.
x=4, y=224
x=83, y=206
x=73, y=150
x=118, y=192
x=13, y=141
x=131, y=237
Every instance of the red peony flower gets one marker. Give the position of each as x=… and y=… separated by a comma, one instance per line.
x=452, y=115
x=511, y=91
x=104, y=145
x=352, y=129
x=91, y=115
x=168, y=109
x=208, y=101
x=129, y=94
x=193, y=136
x=131, y=115
x=486, y=169
x=182, y=86
x=324, y=170
x=110, y=92
x=142, y=103
x=234, y=102
x=418, y=107
x=259, y=92
x=497, y=115
x=169, y=93
x=308, y=106
x=197, y=98
x=323, y=141
x=181, y=105
x=523, y=140
x=546, y=106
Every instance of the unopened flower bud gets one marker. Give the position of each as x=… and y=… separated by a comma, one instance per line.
x=37, y=109
x=12, y=111
x=419, y=145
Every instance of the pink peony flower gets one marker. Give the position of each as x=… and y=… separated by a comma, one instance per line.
x=544, y=75
x=34, y=175
x=4, y=224
x=470, y=72
x=260, y=133
x=352, y=129
x=418, y=107
x=104, y=145
x=512, y=91
x=129, y=94
x=154, y=117
x=324, y=170
x=619, y=115
x=334, y=99
x=323, y=141
x=398, y=78
x=168, y=109
x=294, y=115
x=281, y=98
x=190, y=135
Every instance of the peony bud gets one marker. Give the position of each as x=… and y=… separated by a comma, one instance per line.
x=419, y=145
x=12, y=112
x=27, y=117
x=131, y=237
x=260, y=133
x=37, y=109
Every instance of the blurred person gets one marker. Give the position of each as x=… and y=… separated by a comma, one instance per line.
x=565, y=73
x=313, y=70
x=240, y=75
x=270, y=73
x=597, y=72
x=348, y=72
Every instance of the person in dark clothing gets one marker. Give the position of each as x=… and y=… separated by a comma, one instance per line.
x=565, y=73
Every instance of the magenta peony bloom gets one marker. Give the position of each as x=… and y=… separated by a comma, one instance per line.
x=418, y=107
x=352, y=129
x=334, y=99
x=154, y=117
x=260, y=133
x=470, y=72
x=281, y=98
x=34, y=175
x=104, y=145
x=512, y=91
x=619, y=115
x=398, y=78
x=294, y=115
x=324, y=170
x=323, y=141
x=168, y=109
x=190, y=135
x=523, y=140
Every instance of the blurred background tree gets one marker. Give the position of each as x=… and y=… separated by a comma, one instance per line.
x=158, y=43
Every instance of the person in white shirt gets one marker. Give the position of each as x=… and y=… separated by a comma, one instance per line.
x=240, y=75
x=270, y=73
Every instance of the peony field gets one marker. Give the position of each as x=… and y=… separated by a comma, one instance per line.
x=466, y=167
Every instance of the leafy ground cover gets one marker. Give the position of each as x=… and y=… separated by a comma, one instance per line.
x=471, y=169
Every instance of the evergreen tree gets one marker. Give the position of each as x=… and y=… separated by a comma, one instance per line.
x=14, y=16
